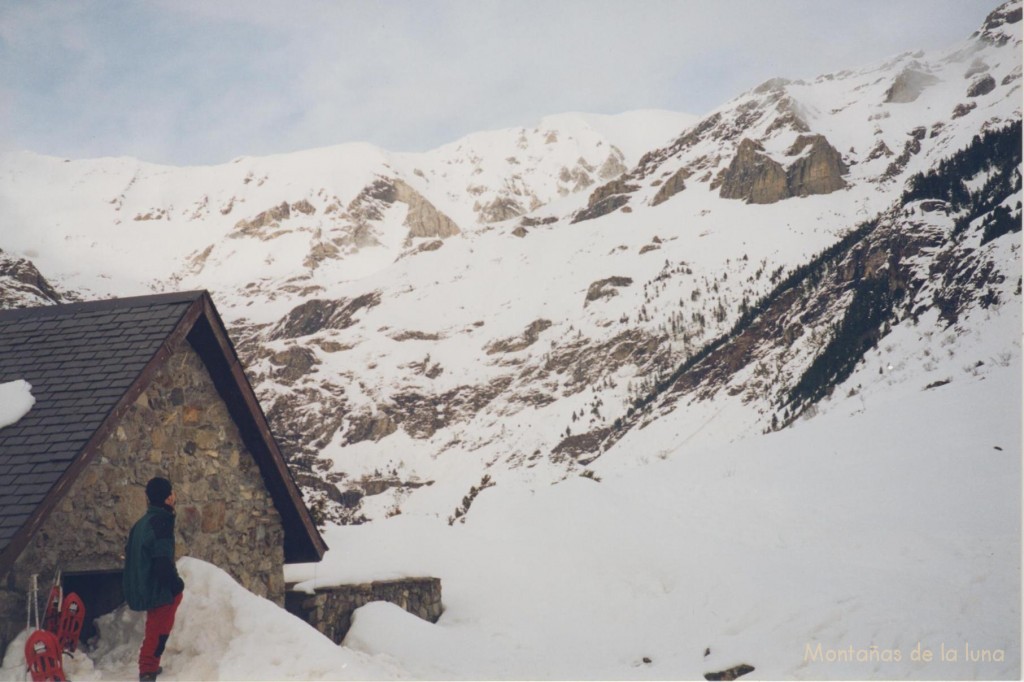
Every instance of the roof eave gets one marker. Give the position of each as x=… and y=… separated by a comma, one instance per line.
x=303, y=542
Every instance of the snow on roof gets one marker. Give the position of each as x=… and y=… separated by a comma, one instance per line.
x=15, y=401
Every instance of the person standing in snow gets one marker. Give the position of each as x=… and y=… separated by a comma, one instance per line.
x=151, y=580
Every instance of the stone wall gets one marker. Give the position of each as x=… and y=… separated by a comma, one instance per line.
x=330, y=610
x=178, y=428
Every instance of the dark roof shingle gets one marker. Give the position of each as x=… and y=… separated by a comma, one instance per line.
x=84, y=362
x=80, y=359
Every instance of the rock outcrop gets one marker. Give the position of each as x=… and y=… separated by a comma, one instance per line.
x=961, y=110
x=293, y=363
x=673, y=186
x=759, y=179
x=501, y=209
x=981, y=86
x=605, y=199
x=908, y=86
x=606, y=288
x=21, y=284
x=612, y=166
x=316, y=314
x=754, y=176
x=517, y=343
x=255, y=227
x=819, y=170
x=423, y=218
x=732, y=673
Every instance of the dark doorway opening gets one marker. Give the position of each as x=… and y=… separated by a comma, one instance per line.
x=101, y=593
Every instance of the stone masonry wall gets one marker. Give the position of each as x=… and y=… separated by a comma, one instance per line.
x=330, y=610
x=178, y=428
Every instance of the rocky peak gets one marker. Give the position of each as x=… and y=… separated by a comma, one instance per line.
x=995, y=29
x=772, y=85
x=819, y=169
x=22, y=285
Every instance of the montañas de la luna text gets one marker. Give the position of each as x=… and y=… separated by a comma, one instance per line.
x=877, y=654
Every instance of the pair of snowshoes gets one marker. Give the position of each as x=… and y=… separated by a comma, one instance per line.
x=62, y=627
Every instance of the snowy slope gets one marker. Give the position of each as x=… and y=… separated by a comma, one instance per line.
x=867, y=534
x=888, y=528
x=144, y=226
x=490, y=350
x=559, y=405
x=405, y=325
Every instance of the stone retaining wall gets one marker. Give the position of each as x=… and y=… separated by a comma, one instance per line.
x=330, y=610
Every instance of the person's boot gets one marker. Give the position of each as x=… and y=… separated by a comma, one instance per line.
x=150, y=677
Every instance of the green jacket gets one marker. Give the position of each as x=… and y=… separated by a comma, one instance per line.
x=150, y=576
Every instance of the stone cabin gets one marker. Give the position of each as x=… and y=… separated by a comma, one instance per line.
x=127, y=389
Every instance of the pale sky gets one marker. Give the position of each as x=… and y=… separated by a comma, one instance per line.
x=204, y=81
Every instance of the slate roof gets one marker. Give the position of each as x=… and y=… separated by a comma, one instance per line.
x=87, y=360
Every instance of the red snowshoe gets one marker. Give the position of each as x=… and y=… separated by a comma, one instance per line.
x=44, y=658
x=72, y=616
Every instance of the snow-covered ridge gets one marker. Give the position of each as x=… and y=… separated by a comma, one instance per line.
x=144, y=223
x=412, y=317
x=881, y=121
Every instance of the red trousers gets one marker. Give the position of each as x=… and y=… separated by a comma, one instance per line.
x=159, y=622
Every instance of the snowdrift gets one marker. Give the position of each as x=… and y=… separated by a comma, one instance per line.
x=843, y=548
x=222, y=632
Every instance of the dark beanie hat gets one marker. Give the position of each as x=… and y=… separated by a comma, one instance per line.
x=157, y=490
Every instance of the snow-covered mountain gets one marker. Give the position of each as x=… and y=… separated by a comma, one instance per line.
x=771, y=356
x=299, y=215
x=508, y=307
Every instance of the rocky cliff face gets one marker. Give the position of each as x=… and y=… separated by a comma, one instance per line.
x=757, y=178
x=22, y=285
x=673, y=186
x=819, y=168
x=998, y=28
x=754, y=176
x=422, y=217
x=925, y=264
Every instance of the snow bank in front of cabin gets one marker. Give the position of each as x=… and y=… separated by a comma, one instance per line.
x=16, y=400
x=222, y=632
